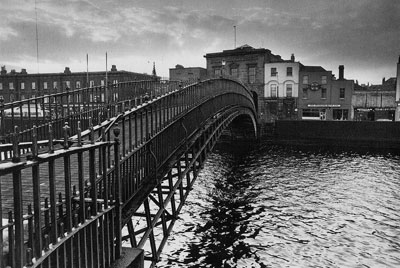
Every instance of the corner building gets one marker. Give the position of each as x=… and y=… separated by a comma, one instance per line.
x=246, y=64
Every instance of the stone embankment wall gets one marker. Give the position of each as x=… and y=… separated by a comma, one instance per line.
x=335, y=133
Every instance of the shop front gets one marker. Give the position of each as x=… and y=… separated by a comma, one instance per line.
x=323, y=112
x=374, y=114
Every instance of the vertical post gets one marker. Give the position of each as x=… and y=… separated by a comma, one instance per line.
x=2, y=127
x=19, y=231
x=118, y=191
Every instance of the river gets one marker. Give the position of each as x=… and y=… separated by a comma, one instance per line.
x=275, y=206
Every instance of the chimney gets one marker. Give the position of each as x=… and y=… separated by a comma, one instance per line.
x=113, y=68
x=12, y=71
x=3, y=70
x=292, y=58
x=341, y=72
x=67, y=70
x=383, y=80
x=23, y=71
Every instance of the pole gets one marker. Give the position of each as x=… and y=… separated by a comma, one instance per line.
x=106, y=97
x=87, y=70
x=234, y=33
x=37, y=40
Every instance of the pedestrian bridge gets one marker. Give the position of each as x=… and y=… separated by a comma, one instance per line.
x=82, y=180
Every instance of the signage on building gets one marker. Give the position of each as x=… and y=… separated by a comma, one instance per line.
x=323, y=105
x=315, y=86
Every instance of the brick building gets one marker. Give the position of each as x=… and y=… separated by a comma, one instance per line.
x=246, y=64
x=21, y=85
x=322, y=96
x=180, y=73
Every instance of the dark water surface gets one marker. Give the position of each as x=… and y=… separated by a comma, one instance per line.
x=282, y=207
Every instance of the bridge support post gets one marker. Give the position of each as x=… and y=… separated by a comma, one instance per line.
x=118, y=191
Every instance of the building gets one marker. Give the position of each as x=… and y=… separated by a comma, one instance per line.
x=375, y=102
x=322, y=97
x=16, y=86
x=246, y=64
x=281, y=89
x=180, y=73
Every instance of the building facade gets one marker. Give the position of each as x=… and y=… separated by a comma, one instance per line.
x=246, y=64
x=281, y=89
x=322, y=96
x=375, y=102
x=16, y=86
x=180, y=73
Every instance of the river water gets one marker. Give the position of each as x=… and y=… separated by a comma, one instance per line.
x=273, y=206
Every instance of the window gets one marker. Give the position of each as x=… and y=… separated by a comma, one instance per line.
x=67, y=84
x=234, y=72
x=22, y=97
x=11, y=85
x=102, y=83
x=273, y=71
x=1, y=86
x=305, y=93
x=91, y=83
x=273, y=91
x=217, y=72
x=55, y=85
x=115, y=82
x=11, y=97
x=33, y=85
x=341, y=93
x=289, y=71
x=45, y=85
x=252, y=75
x=78, y=84
x=305, y=79
x=323, y=93
x=323, y=80
x=340, y=114
x=311, y=114
x=289, y=90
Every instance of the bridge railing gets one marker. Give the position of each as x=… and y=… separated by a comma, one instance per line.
x=90, y=106
x=63, y=205
x=77, y=186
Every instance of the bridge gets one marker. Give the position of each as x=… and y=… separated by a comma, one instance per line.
x=95, y=176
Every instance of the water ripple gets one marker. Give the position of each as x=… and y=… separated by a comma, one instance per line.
x=287, y=207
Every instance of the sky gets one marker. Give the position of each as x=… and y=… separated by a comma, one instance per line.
x=362, y=35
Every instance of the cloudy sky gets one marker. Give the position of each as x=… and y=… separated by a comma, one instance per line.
x=363, y=35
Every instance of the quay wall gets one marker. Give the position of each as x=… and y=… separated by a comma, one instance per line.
x=366, y=134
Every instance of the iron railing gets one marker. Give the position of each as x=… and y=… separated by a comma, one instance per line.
x=79, y=191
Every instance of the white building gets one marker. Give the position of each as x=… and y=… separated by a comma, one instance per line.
x=282, y=79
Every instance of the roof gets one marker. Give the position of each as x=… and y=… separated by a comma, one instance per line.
x=311, y=69
x=388, y=85
x=245, y=49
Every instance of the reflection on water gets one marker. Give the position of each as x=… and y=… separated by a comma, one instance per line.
x=281, y=207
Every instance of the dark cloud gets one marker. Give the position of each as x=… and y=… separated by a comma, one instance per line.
x=359, y=34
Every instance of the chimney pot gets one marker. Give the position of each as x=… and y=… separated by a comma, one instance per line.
x=67, y=70
x=292, y=58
